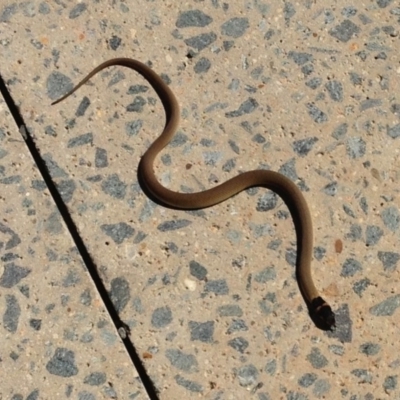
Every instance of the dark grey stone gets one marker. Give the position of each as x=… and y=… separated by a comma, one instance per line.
x=39, y=185
x=370, y=103
x=317, y=359
x=355, y=232
x=267, y=201
x=389, y=260
x=316, y=114
x=118, y=232
x=349, y=211
x=53, y=224
x=331, y=189
x=267, y=274
x=11, y=314
x=335, y=90
x=35, y=324
x=178, y=140
x=137, y=105
x=307, y=69
x=182, y=361
x=355, y=79
x=383, y=3
x=304, y=146
x=161, y=317
x=350, y=267
x=307, y=379
x=300, y=58
x=136, y=89
x=217, y=286
x=132, y=128
x=193, y=18
x=271, y=367
x=373, y=234
x=261, y=230
x=240, y=344
x=391, y=218
x=86, y=297
x=202, y=41
x=390, y=383
x=247, y=375
x=340, y=131
x=386, y=307
x=189, y=385
x=170, y=246
x=321, y=387
x=344, y=31
x=71, y=279
x=360, y=286
x=313, y=83
x=207, y=142
x=336, y=349
x=95, y=379
x=34, y=395
x=114, y=187
x=395, y=109
x=246, y=107
x=84, y=395
x=13, y=274
x=237, y=325
x=212, y=157
x=370, y=349
x=381, y=56
x=364, y=205
x=394, y=131
x=395, y=11
x=229, y=310
x=66, y=188
x=235, y=27
x=114, y=42
x=62, y=363
x=120, y=293
x=363, y=375
x=8, y=11
x=288, y=11
x=289, y=169
x=362, y=54
x=228, y=44
x=319, y=253
x=83, y=106
x=3, y=153
x=197, y=270
x=100, y=158
x=268, y=303
x=77, y=11
x=356, y=147
x=349, y=11
x=258, y=138
x=11, y=180
x=202, y=331
x=57, y=84
x=173, y=225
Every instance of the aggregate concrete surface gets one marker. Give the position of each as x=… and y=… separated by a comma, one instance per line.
x=208, y=299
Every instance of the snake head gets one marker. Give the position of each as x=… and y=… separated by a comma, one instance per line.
x=322, y=314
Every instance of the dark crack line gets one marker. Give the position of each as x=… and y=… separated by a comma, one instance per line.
x=87, y=259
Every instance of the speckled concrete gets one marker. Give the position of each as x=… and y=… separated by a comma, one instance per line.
x=214, y=311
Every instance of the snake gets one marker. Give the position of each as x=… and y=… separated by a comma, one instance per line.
x=319, y=310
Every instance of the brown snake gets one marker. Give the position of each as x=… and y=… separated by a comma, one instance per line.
x=319, y=310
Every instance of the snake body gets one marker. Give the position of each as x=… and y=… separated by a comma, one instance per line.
x=319, y=310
